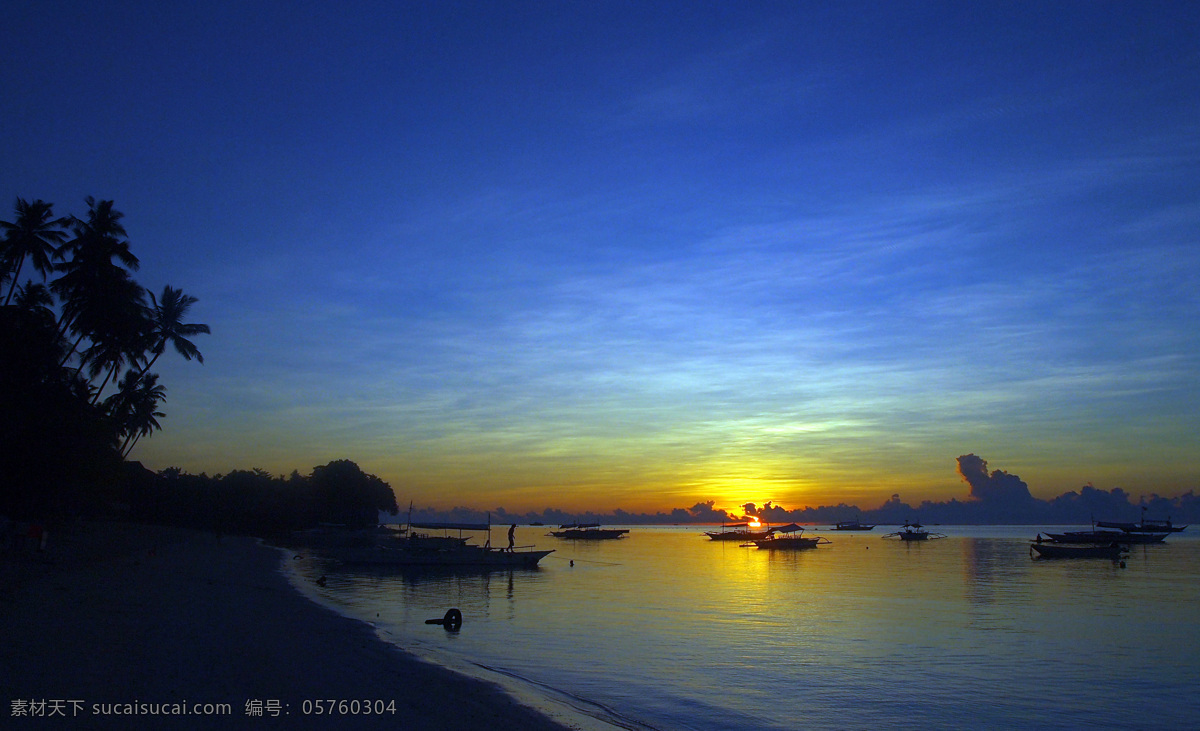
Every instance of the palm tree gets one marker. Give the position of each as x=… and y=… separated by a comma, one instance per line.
x=35, y=235
x=119, y=338
x=35, y=297
x=98, y=294
x=97, y=241
x=101, y=236
x=167, y=318
x=134, y=407
x=113, y=317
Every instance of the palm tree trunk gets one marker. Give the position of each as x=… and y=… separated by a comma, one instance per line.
x=71, y=352
x=106, y=380
x=64, y=323
x=132, y=441
x=16, y=278
x=159, y=351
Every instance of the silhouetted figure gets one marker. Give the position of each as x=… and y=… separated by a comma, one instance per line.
x=512, y=532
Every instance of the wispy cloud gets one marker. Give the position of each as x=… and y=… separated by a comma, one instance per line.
x=744, y=260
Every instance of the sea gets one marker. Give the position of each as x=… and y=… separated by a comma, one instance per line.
x=666, y=629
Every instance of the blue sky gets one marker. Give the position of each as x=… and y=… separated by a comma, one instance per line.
x=638, y=255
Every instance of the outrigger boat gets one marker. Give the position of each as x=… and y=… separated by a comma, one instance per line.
x=329, y=535
x=587, y=532
x=1145, y=525
x=411, y=548
x=788, y=537
x=737, y=532
x=914, y=532
x=1059, y=550
x=853, y=525
x=1105, y=537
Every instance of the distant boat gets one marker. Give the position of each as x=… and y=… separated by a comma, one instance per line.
x=587, y=532
x=1145, y=525
x=914, y=532
x=1105, y=537
x=423, y=549
x=736, y=532
x=339, y=536
x=853, y=525
x=788, y=538
x=1059, y=550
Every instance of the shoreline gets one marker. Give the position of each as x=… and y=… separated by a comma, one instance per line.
x=558, y=706
x=146, y=619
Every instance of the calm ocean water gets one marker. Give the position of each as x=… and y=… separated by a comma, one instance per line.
x=666, y=629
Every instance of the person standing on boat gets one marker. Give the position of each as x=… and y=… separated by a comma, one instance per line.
x=511, y=536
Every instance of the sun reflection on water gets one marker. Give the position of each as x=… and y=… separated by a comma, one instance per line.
x=669, y=624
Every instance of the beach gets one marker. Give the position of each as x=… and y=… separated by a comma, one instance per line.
x=114, y=622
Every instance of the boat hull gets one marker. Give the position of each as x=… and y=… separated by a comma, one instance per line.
x=853, y=526
x=1057, y=550
x=915, y=535
x=464, y=556
x=1146, y=526
x=602, y=534
x=744, y=536
x=1106, y=537
x=914, y=532
x=788, y=544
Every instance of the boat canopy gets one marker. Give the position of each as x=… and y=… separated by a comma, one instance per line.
x=789, y=528
x=580, y=525
x=452, y=526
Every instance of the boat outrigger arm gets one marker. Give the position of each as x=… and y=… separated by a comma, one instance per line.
x=460, y=527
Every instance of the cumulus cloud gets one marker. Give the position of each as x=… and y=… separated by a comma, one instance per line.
x=994, y=487
x=705, y=512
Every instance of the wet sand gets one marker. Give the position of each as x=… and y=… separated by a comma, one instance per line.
x=117, y=614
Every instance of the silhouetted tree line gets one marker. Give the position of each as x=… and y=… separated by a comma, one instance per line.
x=1071, y=508
x=996, y=497
x=253, y=502
x=76, y=348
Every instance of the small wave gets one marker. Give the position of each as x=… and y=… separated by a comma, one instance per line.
x=591, y=709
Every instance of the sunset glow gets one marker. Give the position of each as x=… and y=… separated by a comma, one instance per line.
x=647, y=256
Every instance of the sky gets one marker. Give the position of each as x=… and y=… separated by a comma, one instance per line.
x=639, y=255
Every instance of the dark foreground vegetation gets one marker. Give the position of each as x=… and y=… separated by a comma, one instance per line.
x=78, y=339
x=252, y=502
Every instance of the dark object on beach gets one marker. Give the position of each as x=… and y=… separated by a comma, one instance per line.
x=452, y=620
x=321, y=581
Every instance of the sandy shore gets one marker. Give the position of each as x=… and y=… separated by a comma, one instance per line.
x=116, y=614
